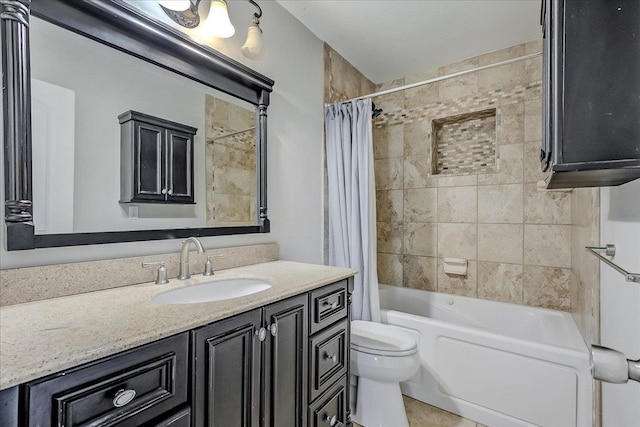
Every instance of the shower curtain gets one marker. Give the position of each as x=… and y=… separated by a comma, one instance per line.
x=352, y=205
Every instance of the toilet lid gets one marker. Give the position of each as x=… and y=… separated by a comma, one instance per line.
x=377, y=338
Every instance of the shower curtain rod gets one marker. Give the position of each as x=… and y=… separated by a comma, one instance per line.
x=440, y=78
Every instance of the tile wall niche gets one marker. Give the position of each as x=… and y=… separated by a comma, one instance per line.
x=517, y=239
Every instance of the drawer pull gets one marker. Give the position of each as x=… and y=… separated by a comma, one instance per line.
x=331, y=357
x=331, y=305
x=123, y=397
x=333, y=421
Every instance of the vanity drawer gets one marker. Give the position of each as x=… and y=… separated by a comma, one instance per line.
x=328, y=305
x=128, y=389
x=330, y=410
x=329, y=358
x=178, y=419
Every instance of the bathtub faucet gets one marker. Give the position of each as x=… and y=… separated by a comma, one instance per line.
x=613, y=366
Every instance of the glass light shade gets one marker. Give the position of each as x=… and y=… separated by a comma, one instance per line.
x=253, y=47
x=217, y=23
x=177, y=5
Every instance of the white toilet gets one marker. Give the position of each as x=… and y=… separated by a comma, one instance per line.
x=382, y=356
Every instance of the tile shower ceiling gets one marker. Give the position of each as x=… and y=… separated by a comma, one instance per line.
x=394, y=38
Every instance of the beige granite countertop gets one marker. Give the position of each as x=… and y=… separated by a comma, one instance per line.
x=44, y=337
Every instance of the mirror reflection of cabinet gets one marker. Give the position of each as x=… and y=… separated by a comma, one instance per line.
x=176, y=74
x=156, y=160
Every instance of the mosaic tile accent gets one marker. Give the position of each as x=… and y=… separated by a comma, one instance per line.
x=492, y=98
x=465, y=143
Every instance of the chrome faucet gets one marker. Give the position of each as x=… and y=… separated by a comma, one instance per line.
x=184, y=256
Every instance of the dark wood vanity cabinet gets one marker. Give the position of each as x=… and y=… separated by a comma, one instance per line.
x=250, y=370
x=156, y=160
x=329, y=347
x=282, y=365
x=133, y=389
x=591, y=102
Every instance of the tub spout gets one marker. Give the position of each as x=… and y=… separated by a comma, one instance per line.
x=612, y=366
x=634, y=370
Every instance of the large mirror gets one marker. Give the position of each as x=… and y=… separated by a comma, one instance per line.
x=87, y=71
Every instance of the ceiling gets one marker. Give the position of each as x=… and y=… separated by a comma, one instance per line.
x=389, y=39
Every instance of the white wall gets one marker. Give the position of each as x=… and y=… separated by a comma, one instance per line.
x=295, y=131
x=620, y=300
x=106, y=83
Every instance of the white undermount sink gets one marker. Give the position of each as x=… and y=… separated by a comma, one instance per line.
x=214, y=290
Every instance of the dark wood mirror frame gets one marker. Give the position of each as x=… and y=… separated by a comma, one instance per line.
x=122, y=27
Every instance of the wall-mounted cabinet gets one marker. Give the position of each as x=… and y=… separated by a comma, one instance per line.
x=156, y=160
x=591, y=78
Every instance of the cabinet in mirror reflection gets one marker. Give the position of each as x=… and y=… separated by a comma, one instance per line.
x=79, y=88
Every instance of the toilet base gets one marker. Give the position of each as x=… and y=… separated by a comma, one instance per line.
x=379, y=404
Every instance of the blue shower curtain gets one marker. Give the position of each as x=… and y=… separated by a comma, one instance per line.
x=352, y=206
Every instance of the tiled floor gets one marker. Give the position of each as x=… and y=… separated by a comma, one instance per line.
x=423, y=415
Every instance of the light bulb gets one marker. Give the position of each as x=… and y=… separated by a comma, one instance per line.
x=253, y=47
x=217, y=23
x=176, y=5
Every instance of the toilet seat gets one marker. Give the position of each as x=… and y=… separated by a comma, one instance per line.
x=379, y=339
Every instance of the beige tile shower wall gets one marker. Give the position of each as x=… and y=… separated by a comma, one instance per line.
x=23, y=285
x=585, y=285
x=342, y=80
x=585, y=274
x=230, y=163
x=517, y=239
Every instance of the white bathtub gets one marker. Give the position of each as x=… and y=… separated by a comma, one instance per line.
x=495, y=363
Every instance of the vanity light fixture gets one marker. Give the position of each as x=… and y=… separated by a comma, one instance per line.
x=218, y=23
x=253, y=47
x=177, y=5
x=182, y=12
x=186, y=13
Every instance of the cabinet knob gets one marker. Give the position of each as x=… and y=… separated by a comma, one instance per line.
x=331, y=305
x=333, y=421
x=123, y=397
x=164, y=191
x=262, y=334
x=170, y=192
x=273, y=329
x=331, y=357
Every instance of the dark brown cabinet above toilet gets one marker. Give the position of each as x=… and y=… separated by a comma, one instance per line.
x=156, y=160
x=591, y=79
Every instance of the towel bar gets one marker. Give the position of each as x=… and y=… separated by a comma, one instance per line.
x=610, y=250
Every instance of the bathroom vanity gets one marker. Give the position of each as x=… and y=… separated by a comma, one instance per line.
x=274, y=358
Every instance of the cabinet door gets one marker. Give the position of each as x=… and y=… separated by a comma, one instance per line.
x=179, y=167
x=601, y=81
x=285, y=364
x=9, y=407
x=148, y=164
x=227, y=372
